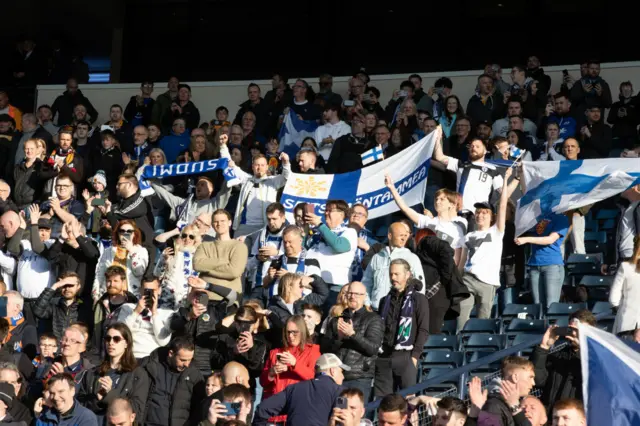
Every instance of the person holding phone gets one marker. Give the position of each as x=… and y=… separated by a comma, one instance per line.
x=236, y=405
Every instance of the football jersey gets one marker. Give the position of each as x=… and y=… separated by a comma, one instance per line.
x=475, y=181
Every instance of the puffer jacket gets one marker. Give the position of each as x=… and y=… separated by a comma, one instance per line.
x=133, y=385
x=62, y=315
x=359, y=351
x=187, y=395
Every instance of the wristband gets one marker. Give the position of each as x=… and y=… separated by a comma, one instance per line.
x=514, y=408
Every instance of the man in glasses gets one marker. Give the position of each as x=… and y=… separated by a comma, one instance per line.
x=70, y=359
x=63, y=207
x=356, y=337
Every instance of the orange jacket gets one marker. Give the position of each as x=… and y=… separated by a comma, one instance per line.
x=16, y=114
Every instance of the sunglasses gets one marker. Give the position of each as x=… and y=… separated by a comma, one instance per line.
x=116, y=339
x=190, y=236
x=125, y=231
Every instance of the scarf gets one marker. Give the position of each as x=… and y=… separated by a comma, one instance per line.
x=300, y=268
x=405, y=323
x=139, y=149
x=68, y=154
x=187, y=267
x=104, y=151
x=268, y=237
x=316, y=237
x=13, y=323
x=356, y=267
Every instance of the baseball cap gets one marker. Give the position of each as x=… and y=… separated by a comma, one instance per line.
x=484, y=205
x=328, y=361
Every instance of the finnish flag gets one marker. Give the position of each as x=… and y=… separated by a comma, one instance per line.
x=560, y=186
x=372, y=155
x=293, y=132
x=610, y=378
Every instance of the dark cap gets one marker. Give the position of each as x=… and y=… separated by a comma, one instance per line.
x=6, y=117
x=7, y=394
x=44, y=223
x=484, y=205
x=485, y=122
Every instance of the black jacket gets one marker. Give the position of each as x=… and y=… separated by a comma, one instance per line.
x=224, y=350
x=133, y=386
x=50, y=306
x=559, y=374
x=28, y=183
x=436, y=256
x=420, y=323
x=138, y=209
x=496, y=408
x=65, y=103
x=359, y=351
x=187, y=395
x=204, y=325
x=132, y=109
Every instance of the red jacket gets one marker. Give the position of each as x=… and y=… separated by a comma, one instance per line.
x=305, y=369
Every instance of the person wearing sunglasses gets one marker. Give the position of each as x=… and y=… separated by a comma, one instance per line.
x=176, y=266
x=126, y=251
x=117, y=377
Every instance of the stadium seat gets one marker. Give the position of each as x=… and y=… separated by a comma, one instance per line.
x=608, y=225
x=599, y=237
x=441, y=359
x=449, y=327
x=494, y=312
x=593, y=281
x=560, y=322
x=559, y=310
x=473, y=356
x=595, y=247
x=607, y=214
x=513, y=310
x=524, y=326
x=476, y=325
x=591, y=225
x=584, y=264
x=521, y=338
x=485, y=342
x=444, y=386
x=602, y=308
x=606, y=324
x=441, y=342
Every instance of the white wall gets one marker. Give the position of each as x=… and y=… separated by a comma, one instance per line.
x=209, y=95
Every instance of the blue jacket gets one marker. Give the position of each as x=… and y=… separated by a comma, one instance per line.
x=79, y=416
x=174, y=145
x=306, y=403
x=567, y=125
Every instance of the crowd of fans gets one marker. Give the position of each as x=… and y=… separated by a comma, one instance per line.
x=199, y=303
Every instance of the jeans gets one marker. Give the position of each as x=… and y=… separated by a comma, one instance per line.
x=363, y=384
x=546, y=283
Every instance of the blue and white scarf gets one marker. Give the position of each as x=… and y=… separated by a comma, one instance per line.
x=356, y=267
x=299, y=270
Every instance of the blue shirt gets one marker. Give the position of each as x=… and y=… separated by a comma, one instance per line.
x=549, y=254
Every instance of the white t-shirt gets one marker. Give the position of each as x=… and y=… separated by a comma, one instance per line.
x=475, y=181
x=452, y=232
x=626, y=231
x=485, y=255
x=335, y=267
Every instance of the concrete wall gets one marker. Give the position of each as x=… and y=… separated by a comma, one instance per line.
x=209, y=95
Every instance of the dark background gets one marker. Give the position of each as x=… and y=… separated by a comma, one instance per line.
x=234, y=39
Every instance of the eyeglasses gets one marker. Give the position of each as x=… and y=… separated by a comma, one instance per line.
x=190, y=236
x=125, y=231
x=65, y=341
x=351, y=293
x=236, y=134
x=358, y=214
x=115, y=339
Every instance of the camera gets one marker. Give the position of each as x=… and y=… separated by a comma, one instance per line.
x=347, y=315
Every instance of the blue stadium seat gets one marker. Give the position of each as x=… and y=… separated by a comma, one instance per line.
x=560, y=322
x=523, y=326
x=595, y=247
x=441, y=342
x=594, y=281
x=609, y=225
x=599, y=237
x=476, y=325
x=602, y=308
x=449, y=327
x=584, y=264
x=605, y=214
x=473, y=356
x=591, y=225
x=441, y=359
x=521, y=338
x=441, y=387
x=606, y=324
x=560, y=310
x=532, y=311
x=485, y=342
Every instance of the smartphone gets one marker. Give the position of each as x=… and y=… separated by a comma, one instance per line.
x=203, y=298
x=341, y=402
x=564, y=331
x=403, y=93
x=148, y=297
x=233, y=408
x=348, y=103
x=279, y=357
x=97, y=202
x=276, y=264
x=309, y=208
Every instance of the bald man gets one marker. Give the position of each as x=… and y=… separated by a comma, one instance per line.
x=534, y=410
x=120, y=413
x=6, y=203
x=376, y=276
x=232, y=373
x=9, y=222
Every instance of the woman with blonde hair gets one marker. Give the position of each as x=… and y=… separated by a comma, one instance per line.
x=176, y=266
x=625, y=292
x=290, y=299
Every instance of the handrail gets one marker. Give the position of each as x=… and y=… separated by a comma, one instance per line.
x=456, y=372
